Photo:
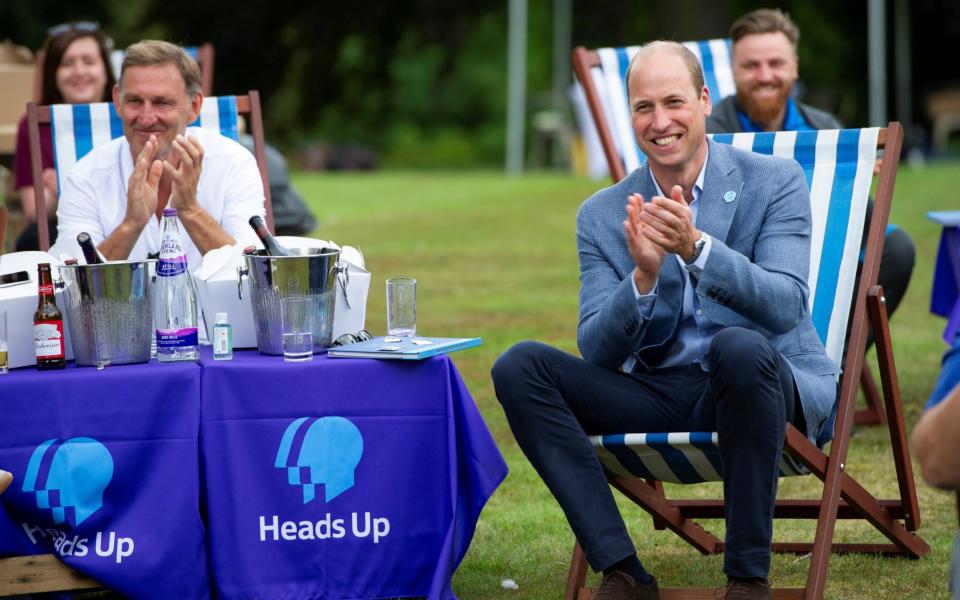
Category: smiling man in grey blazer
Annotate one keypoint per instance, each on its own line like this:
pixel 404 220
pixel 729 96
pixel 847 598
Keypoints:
pixel 693 317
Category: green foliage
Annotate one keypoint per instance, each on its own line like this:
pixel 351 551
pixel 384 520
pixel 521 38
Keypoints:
pixel 495 257
pixel 409 146
pixel 431 74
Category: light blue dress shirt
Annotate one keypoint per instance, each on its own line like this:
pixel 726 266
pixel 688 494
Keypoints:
pixel 696 330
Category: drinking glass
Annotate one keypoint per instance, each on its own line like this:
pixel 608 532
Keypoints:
pixel 101 323
pixel 297 314
pixel 402 306
pixel 4 356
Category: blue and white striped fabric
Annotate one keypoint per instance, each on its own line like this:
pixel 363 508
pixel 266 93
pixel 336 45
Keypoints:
pixel 610 81
pixel 78 128
pixel 838 166
pixel 674 457
pixel 116 58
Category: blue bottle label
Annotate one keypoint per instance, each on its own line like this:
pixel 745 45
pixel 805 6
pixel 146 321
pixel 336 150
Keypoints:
pixel 176 338
pixel 169 267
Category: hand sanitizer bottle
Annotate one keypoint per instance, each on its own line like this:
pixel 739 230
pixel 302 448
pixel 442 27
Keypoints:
pixel 222 338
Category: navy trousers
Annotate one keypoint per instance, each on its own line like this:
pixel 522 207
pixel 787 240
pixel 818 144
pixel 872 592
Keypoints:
pixel 553 401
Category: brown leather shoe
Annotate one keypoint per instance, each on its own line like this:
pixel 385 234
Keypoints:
pixel 740 589
pixel 620 586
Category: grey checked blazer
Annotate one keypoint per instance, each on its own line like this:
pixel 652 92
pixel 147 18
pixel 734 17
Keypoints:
pixel 754 277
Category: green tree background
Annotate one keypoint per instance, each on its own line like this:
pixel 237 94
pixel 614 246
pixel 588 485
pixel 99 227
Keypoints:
pixel 423 83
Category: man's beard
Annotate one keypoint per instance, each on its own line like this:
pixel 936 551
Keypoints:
pixel 764 110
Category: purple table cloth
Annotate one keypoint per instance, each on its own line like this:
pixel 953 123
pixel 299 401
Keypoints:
pixel 945 297
pixel 340 478
pixel 106 474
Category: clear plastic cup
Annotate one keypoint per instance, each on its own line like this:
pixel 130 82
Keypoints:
pixel 297 316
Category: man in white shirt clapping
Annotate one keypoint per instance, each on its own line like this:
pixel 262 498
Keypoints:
pixel 118 191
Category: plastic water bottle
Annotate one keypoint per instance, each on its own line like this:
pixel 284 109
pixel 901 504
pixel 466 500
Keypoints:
pixel 175 308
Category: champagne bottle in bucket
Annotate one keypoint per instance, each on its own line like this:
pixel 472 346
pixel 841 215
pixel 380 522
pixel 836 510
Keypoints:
pixel 274 248
pixel 90 253
pixel 175 306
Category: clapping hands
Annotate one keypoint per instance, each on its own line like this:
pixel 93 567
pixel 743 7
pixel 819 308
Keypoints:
pixel 144 184
pixel 183 167
pixel 653 229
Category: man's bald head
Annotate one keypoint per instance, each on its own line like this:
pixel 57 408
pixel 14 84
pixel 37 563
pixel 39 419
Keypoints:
pixel 688 58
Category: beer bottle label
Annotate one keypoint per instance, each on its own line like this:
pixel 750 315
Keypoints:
pixel 48 339
pixel 46 288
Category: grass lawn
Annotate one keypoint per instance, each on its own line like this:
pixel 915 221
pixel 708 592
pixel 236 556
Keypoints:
pixel 495 257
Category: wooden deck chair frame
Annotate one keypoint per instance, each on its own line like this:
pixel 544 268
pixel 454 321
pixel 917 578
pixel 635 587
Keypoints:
pixel 843 497
pixel 36 115
pixel 583 62
pixel 4 221
pixel 205 57
pixel 41 573
pixel 205 60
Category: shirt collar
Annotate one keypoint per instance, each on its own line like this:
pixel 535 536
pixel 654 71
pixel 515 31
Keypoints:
pixel 698 184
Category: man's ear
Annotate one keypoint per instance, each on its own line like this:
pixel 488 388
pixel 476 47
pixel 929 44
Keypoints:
pixel 195 103
pixel 116 97
pixel 705 99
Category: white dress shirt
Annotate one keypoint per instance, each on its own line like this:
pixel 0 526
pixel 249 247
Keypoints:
pixel 94 196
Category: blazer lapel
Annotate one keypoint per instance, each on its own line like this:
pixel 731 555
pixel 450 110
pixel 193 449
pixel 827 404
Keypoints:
pixel 721 193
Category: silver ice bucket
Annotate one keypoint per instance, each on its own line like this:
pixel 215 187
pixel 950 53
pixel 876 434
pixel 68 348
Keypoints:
pixel 311 272
pixel 109 310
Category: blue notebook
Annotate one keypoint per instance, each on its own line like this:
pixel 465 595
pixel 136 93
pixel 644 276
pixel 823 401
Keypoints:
pixel 415 348
pixel 947 218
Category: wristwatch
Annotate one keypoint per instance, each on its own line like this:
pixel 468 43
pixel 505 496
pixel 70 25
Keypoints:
pixel 697 248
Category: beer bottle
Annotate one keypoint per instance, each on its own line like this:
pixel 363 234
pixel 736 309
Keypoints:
pixel 48 325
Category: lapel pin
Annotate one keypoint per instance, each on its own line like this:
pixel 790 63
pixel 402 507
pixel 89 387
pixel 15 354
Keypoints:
pixel 729 196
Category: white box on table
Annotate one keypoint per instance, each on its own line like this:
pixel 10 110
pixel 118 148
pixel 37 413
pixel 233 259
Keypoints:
pixel 217 289
pixel 216 281
pixel 350 314
pixel 20 302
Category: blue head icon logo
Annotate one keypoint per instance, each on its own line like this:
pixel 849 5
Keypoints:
pixel 79 472
pixel 330 451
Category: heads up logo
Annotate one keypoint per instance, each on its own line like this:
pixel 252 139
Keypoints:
pixel 329 451
pixel 69 478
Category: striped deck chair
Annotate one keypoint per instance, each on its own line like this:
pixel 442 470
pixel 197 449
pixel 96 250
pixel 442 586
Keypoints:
pixel 204 55
pixel 78 128
pixel 838 166
pixel 602 74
